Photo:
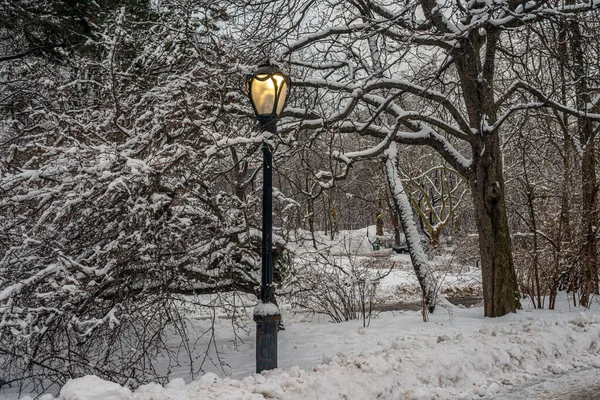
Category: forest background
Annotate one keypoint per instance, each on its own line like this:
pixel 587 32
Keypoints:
pixel 129 158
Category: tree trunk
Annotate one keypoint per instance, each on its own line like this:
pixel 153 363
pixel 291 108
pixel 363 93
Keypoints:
pixel 476 73
pixel 565 238
pixel 536 270
pixel 590 221
pixel 396 225
pixel 500 288
pixel 588 170
pixel 530 195
pixel 434 240
pixel 379 217
pixel 404 211
pixel 311 219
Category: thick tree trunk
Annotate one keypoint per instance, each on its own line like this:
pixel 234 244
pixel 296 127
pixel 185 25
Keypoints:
pixel 588 170
pixel 476 72
pixel 500 288
pixel 434 240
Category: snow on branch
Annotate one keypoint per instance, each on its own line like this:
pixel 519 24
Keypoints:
pixel 420 134
pixel 527 11
pixel 15 289
pixel 317 36
pixel 441 145
pixel 402 205
pixel 320 66
pixel 434 11
pixel 505 117
pixel 376 85
pixel 236 141
pixel 374 151
pixel 438 123
pixel 544 100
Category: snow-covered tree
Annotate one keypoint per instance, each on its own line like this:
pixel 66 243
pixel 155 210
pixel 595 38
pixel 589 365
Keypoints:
pixel 121 194
pixel 422 73
pixel 436 192
pixel 550 150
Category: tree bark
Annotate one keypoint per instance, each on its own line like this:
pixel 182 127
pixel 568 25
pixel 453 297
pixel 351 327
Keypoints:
pixel 536 270
pixel 590 219
pixel 500 287
pixel 379 217
pixel 434 240
pixel 588 170
pixel 396 225
pixel 476 73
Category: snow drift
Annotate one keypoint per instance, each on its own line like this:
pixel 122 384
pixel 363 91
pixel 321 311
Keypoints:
pixel 475 358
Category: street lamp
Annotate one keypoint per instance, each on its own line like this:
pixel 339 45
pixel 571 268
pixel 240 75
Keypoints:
pixel 268 91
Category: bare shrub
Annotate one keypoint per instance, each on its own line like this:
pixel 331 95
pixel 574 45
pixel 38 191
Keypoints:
pixel 342 288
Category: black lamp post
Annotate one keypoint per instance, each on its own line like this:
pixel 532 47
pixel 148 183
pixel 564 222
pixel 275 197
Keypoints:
pixel 268 90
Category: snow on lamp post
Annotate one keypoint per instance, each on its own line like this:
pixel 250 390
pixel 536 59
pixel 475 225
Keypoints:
pixel 268 91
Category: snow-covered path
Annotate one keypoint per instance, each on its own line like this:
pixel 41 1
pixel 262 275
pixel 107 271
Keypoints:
pixel 577 385
pixel 533 354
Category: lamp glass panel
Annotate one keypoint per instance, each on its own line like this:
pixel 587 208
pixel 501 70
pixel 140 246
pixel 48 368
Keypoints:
pixel 263 94
pixel 283 93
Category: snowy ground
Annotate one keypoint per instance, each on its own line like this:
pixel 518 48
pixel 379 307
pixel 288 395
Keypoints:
pixel 580 384
pixel 461 355
pixel 455 279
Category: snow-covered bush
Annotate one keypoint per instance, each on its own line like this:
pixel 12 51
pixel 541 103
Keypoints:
pixel 121 198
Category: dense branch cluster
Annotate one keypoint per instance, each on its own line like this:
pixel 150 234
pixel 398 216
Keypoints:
pixel 129 167
pixel 454 76
pixel 113 197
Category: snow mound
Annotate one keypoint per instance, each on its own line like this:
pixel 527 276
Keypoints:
pixel 456 365
pixel 93 388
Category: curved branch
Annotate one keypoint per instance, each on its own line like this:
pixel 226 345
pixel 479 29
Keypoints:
pixel 315 37
pixel 510 112
pixel 406 86
pixel 420 135
pixel 545 101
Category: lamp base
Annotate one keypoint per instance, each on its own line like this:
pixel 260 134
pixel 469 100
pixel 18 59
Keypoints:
pixel 266 341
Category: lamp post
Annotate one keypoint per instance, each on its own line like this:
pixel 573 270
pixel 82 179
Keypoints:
pixel 268 91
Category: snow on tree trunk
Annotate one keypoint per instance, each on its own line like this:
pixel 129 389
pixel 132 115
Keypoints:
pixel 403 208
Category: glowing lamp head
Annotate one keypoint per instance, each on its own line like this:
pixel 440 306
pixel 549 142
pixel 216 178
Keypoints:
pixel 268 89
